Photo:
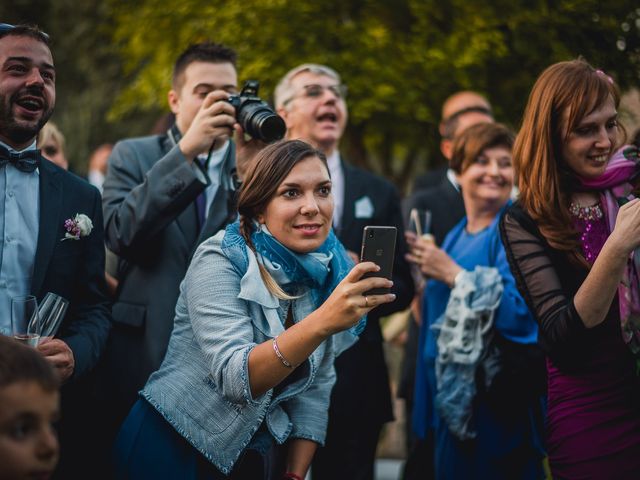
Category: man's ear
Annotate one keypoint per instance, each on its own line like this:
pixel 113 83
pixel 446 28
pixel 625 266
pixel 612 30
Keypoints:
pixel 286 116
pixel 174 101
pixel 446 148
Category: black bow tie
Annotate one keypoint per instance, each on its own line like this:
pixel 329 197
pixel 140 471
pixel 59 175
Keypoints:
pixel 26 161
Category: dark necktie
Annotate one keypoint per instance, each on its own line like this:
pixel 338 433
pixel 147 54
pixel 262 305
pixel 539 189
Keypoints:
pixel 201 202
pixel 26 161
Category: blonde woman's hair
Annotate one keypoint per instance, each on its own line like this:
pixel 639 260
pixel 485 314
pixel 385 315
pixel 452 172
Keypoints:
pixel 50 131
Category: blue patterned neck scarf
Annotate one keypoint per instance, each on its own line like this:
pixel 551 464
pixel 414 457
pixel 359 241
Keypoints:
pixel 321 271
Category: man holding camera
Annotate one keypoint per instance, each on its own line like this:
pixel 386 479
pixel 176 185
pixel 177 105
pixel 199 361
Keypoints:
pixel 163 195
pixel 311 99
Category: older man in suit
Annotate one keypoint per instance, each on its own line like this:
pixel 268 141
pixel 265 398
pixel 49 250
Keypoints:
pixel 41 248
pixel 311 99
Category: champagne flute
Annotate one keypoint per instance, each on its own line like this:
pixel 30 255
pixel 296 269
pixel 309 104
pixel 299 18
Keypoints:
pixel 420 223
pixel 51 312
pixel 25 320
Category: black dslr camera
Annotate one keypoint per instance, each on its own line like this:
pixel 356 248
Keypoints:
pixel 256 116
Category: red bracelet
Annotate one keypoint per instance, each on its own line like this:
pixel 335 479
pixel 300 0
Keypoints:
pixel 291 476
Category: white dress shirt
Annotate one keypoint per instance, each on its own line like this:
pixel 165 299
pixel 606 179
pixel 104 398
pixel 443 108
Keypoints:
pixel 337 186
pixel 19 227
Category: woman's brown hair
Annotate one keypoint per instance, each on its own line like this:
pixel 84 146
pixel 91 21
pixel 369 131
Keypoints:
pixel 468 146
pixel 265 174
pixel 562 96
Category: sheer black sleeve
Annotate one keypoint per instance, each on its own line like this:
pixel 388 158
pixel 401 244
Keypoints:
pixel 547 282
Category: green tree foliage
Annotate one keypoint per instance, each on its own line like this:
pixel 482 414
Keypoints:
pixel 400 59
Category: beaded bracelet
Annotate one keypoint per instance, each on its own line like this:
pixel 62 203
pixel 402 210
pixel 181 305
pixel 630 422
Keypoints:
pixel 284 361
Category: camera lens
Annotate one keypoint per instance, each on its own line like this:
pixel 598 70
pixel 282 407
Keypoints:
pixel 259 121
pixel 371 234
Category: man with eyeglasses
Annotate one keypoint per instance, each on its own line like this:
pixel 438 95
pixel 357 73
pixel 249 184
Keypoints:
pixel 42 247
pixel 312 101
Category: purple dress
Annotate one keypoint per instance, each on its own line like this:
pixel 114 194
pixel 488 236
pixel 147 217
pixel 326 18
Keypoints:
pixel 593 417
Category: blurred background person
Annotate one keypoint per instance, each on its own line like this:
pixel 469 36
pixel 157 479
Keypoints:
pixel 244 388
pixel 29 407
pixel 438 193
pixel 98 162
pixel 570 240
pixel 459 111
pixel 480 419
pixel 51 144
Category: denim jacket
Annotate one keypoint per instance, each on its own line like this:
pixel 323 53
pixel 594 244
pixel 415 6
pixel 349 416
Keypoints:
pixel 202 387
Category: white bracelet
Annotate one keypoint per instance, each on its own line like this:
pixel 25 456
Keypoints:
pixel 284 361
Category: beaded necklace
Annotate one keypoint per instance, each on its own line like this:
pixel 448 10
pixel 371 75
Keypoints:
pixel 588 213
pixel 589 221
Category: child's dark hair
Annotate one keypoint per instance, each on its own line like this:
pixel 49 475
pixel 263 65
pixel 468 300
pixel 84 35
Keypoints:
pixel 22 363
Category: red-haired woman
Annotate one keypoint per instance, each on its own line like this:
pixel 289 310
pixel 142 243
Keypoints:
pixel 570 241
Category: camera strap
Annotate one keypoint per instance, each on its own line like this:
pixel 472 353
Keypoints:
pixel 175 136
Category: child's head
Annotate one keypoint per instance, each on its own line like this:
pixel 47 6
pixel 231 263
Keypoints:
pixel 29 403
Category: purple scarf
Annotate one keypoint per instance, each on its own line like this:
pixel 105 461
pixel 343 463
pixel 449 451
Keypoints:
pixel 615 191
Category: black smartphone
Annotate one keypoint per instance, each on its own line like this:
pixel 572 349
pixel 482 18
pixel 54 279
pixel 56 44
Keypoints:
pixel 379 246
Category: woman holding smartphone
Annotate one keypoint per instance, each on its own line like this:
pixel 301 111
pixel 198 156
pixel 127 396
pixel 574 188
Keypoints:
pixel 571 241
pixel 480 422
pixel 265 307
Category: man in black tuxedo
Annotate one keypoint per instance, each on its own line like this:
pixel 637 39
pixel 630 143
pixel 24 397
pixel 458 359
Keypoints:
pixel 311 99
pixel 40 251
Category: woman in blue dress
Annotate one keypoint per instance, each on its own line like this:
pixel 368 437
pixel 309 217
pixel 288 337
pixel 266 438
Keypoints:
pixel 483 418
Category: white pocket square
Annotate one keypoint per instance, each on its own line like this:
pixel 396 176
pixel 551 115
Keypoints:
pixel 364 208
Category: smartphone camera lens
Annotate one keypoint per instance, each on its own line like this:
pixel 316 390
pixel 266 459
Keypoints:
pixel 371 234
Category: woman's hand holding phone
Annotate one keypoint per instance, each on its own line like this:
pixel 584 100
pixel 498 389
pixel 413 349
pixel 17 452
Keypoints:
pixel 348 302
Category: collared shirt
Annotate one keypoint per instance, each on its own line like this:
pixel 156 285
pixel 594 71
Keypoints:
pixel 451 176
pixel 96 178
pixel 337 186
pixel 213 170
pixel 19 226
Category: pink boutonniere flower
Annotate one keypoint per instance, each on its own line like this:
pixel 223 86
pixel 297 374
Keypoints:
pixel 77 227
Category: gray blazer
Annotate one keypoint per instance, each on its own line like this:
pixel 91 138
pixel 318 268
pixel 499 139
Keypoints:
pixel 202 388
pixel 151 224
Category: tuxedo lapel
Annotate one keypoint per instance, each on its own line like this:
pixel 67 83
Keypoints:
pixel 50 206
pixel 351 191
pixel 187 221
pixel 188 224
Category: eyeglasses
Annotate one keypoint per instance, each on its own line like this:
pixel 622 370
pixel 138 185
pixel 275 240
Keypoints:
pixel 315 91
pixel 7 27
